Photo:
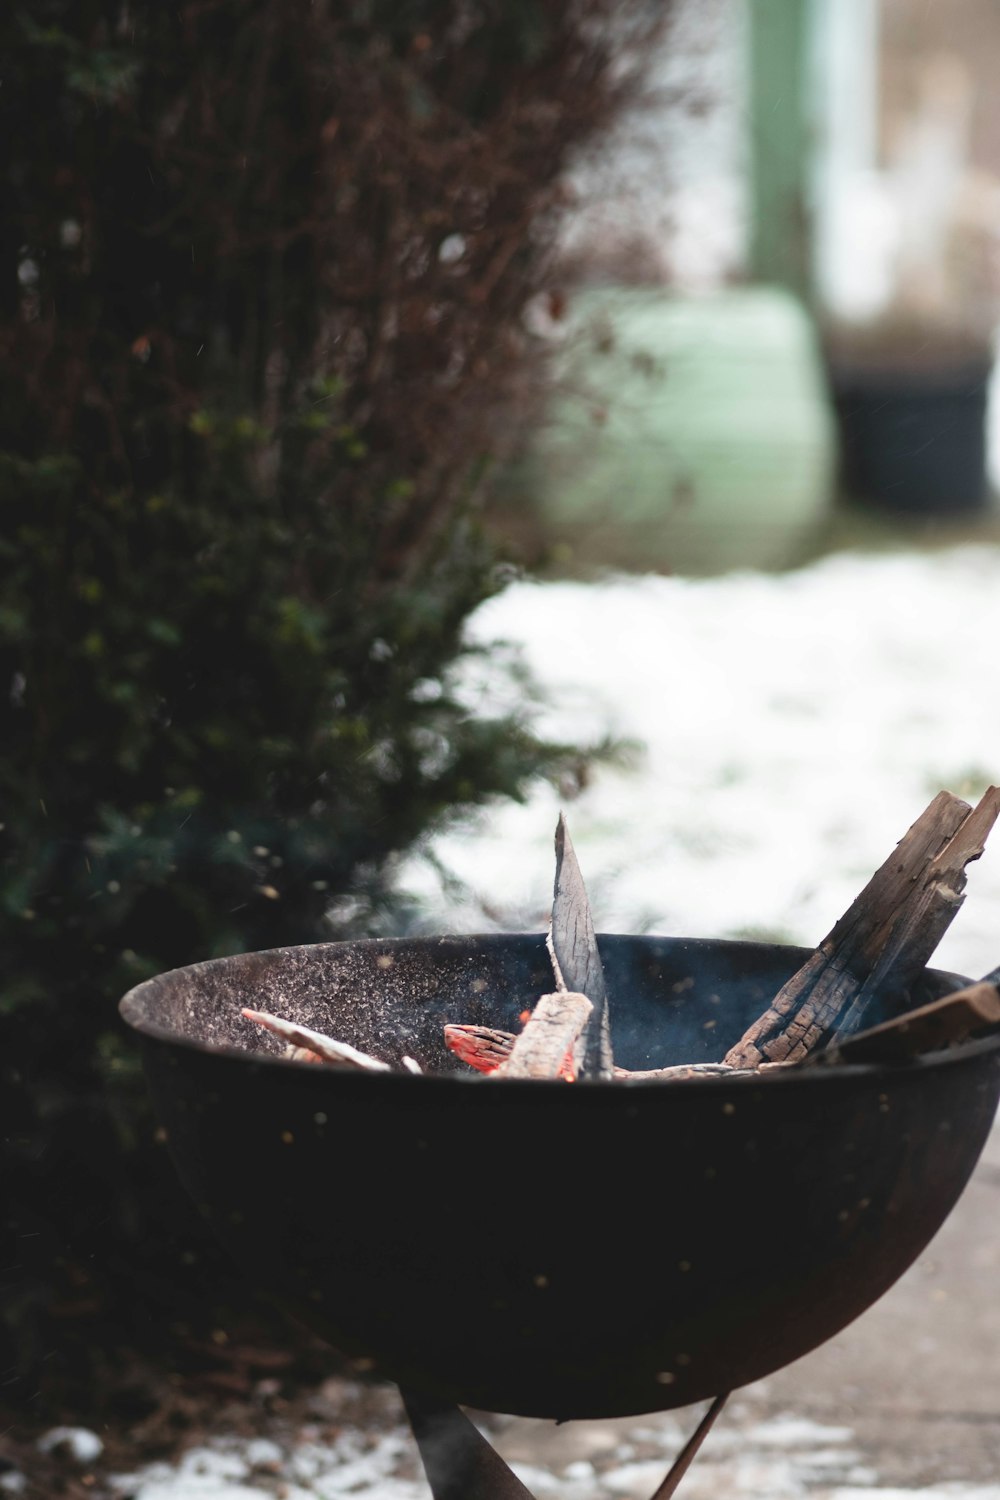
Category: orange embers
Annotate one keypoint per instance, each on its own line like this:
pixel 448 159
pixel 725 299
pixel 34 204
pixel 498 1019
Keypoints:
pixel 480 1046
pixel 484 1048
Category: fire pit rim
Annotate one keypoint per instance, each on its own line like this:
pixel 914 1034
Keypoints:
pixel 132 1005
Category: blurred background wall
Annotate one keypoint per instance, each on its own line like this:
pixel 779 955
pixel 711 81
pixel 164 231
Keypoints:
pixel 793 328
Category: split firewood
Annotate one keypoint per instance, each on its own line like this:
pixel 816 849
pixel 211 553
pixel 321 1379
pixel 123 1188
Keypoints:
pixel 882 942
pixel 551 1044
pixel 575 958
pixel 930 1028
pixel 929 915
pixel 880 946
pixel 325 1047
pixel 482 1047
pixel 485 1049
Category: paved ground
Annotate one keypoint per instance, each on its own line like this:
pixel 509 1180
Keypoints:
pixel 916 1380
pixel 918 1377
pixel 904 1405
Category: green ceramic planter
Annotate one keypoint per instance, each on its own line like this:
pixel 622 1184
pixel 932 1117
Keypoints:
pixel 683 434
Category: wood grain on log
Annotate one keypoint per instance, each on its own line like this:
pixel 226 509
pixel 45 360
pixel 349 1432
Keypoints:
pixel 576 960
pixel 883 940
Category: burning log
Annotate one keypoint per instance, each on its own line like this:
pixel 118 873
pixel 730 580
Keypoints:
pixel 882 941
pixel 482 1047
pixel 551 1044
pixel 324 1047
pixel 577 964
pixel 485 1049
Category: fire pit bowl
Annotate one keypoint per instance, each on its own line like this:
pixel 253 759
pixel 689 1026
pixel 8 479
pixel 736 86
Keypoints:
pixel 553 1250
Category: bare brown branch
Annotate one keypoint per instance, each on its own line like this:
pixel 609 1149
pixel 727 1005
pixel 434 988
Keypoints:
pixel 325 1047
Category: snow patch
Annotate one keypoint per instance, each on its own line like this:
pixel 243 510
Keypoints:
pixel 356 1464
pixel 79 1443
pixel 792 728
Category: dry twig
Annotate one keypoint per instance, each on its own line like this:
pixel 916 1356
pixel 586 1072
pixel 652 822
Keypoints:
pixel 325 1047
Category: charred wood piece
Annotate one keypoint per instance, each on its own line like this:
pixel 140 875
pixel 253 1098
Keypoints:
pixel 551 1044
pixel 883 940
pixel 485 1049
pixel 575 958
pixel 930 1028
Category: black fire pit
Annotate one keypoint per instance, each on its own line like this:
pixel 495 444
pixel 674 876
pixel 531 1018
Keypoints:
pixel 553 1250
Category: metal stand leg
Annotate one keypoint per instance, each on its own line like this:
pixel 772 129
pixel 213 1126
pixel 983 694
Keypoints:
pixel 458 1461
pixel 687 1454
pixel 461 1465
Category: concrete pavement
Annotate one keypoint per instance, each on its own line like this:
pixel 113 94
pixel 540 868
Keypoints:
pixel 907 1398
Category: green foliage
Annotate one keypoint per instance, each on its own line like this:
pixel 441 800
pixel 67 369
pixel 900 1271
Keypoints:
pixel 246 410
pixel 212 729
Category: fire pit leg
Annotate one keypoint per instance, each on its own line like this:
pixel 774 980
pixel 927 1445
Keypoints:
pixel 458 1461
pixel 686 1456
pixel 461 1465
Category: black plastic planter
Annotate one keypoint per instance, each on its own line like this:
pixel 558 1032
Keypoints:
pixel 913 438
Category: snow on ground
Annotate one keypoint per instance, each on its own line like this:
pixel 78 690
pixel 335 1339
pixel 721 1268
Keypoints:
pixel 753 1454
pixel 793 726
pixel 301 1469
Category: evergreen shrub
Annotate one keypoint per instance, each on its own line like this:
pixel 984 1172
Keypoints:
pixel 262 269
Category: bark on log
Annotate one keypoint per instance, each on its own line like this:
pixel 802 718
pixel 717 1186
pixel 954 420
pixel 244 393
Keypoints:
pixel 930 1028
pixel 575 957
pixel 883 940
pixel 549 1046
pixel 928 916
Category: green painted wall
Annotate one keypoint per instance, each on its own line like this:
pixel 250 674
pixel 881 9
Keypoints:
pixel 781 242
pixel 686 434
